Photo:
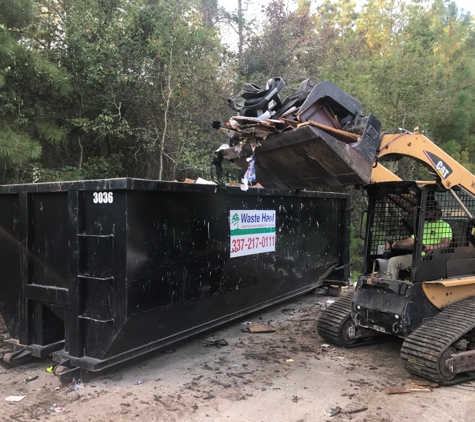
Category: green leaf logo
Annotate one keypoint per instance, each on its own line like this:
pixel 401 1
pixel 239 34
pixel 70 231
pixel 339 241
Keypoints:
pixel 235 219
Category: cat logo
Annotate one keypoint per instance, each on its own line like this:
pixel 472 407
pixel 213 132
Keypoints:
pixel 439 165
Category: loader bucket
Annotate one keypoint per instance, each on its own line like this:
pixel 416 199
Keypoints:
pixel 310 157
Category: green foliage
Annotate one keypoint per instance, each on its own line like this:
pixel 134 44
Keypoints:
pixel 30 89
pixel 16 13
pixel 40 175
pixel 51 132
pixel 463 157
pixel 94 168
pixel 17 147
pixel 141 75
pixel 103 168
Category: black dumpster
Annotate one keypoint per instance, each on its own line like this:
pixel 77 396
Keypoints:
pixel 97 272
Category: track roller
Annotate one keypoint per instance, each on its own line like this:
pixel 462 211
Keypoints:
pixel 336 326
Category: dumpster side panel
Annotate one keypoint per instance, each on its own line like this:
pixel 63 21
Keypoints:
pixel 44 221
pixel 102 269
pixel 180 275
pixel 179 245
pixel 34 265
pixel 10 284
pixel 48 239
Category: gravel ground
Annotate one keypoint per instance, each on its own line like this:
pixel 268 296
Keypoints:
pixel 289 375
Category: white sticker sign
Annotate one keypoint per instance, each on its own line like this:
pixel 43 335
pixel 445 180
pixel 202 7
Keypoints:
pixel 252 232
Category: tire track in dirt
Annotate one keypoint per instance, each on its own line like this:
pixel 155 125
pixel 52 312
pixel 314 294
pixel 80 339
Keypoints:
pixel 288 375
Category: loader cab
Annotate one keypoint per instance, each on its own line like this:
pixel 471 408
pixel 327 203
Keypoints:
pixel 397 210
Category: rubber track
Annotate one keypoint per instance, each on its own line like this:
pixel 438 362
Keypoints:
pixel 332 319
pixel 423 348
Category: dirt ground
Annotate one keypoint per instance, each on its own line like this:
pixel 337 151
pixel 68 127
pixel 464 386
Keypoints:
pixel 289 375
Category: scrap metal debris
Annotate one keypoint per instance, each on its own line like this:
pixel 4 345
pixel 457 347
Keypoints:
pixel 262 113
pixel 218 343
pixel 318 136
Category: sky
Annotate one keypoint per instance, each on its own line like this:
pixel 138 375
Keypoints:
pixel 230 37
pixel 467 5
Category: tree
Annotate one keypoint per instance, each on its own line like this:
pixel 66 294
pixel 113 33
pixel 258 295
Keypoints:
pixel 277 49
pixel 455 54
pixel 30 86
pixel 141 74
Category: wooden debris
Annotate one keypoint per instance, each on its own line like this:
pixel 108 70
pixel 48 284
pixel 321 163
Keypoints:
pixel 239 374
pixel 232 374
pixel 423 384
pixel 257 186
pixel 255 327
pixel 291 123
pixel 403 390
pixel 346 137
pixel 244 122
pixel 414 387
pixel 354 408
pixel 349 409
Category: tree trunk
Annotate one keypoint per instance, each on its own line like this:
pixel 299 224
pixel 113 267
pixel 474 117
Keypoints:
pixel 240 26
pixel 81 152
pixel 165 117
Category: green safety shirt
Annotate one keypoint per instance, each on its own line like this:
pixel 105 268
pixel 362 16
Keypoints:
pixel 435 231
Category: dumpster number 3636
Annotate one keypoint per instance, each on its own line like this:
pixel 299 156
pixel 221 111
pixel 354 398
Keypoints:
pixel 103 197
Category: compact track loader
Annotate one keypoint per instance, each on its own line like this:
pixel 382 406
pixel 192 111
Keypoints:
pixel 432 303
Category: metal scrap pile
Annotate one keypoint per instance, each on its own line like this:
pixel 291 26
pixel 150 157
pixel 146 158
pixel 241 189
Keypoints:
pixel 290 144
pixel 262 113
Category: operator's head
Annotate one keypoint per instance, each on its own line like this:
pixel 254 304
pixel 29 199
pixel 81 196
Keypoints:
pixel 433 212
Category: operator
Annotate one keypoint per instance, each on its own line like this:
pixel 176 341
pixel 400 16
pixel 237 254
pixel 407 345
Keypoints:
pixel 437 234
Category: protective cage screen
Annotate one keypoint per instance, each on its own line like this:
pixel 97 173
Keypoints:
pixel 394 218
